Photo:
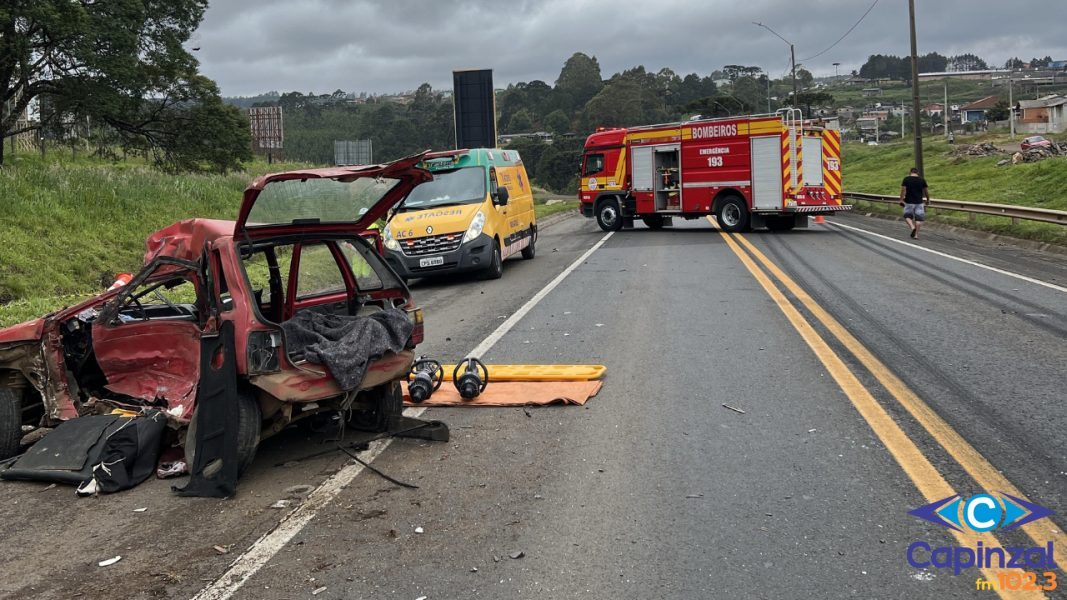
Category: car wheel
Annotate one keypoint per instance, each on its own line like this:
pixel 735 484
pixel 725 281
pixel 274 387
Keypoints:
pixel 388 401
pixel 496 264
pixel 529 252
pixel 781 223
pixel 10 422
pixel 732 215
pixel 608 215
pixel 249 424
pixel 653 221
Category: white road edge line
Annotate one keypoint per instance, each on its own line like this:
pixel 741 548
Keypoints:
pixel 1051 286
pixel 270 543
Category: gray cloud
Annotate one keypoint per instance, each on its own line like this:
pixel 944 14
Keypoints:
pixel 250 47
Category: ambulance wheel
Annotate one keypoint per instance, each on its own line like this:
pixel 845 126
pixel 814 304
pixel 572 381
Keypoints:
pixel 653 221
pixel 608 215
pixel 496 264
pixel 732 215
pixel 529 251
pixel 781 223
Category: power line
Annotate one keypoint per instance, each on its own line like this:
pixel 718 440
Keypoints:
pixel 875 3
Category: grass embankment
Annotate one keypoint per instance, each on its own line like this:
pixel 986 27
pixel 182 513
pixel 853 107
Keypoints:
pixel 879 170
pixel 68 226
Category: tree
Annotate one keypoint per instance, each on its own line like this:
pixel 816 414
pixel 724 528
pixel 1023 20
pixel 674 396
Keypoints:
pixel 999 112
pixel 580 79
pixel 808 100
pixel 1040 63
pixel 931 63
pixel 557 122
pixel 520 122
pixel 804 78
pixel 1014 63
pixel 966 62
pixel 120 63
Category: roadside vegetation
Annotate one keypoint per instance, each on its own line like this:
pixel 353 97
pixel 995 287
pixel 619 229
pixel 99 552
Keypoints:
pixel 879 170
pixel 71 224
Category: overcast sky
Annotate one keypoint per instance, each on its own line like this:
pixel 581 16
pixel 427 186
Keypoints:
pixel 253 46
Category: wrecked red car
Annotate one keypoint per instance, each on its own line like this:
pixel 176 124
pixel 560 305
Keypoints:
pixel 295 254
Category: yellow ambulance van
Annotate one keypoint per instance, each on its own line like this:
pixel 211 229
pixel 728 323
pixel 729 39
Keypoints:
pixel 476 213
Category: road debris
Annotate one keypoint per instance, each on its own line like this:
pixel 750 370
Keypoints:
pixel 695 496
pixel 281 504
pixel 109 562
pixel 299 490
pixel 142 509
pixel 419 530
pixel 736 410
pixel 318 590
pixel 517 554
pixel 220 549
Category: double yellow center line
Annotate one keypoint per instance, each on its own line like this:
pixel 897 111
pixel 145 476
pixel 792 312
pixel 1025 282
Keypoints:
pixel 930 483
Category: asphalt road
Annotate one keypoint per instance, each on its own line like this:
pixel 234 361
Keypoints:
pixel 654 489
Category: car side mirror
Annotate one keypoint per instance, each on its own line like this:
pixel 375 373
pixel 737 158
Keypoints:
pixel 501 196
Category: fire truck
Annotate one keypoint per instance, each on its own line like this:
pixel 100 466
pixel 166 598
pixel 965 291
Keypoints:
pixel 768 171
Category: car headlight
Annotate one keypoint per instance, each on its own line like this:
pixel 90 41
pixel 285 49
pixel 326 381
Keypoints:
pixel 475 228
pixel 387 237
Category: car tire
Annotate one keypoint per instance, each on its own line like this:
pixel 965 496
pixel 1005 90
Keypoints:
pixel 10 422
pixel 732 215
pixel 653 221
pixel 249 426
pixel 496 264
pixel 781 223
pixel 529 251
pixel 388 401
pixel 609 215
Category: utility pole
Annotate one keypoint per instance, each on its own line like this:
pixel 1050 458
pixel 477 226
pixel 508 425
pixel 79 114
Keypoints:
pixel 1011 106
pixel 915 89
pixel 792 57
pixel 945 112
pixel 903 112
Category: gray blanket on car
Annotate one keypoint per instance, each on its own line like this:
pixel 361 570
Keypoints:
pixel 346 345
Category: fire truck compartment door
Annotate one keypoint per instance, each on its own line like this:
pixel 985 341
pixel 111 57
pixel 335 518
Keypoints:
pixel 767 172
pixel 812 161
pixel 644 171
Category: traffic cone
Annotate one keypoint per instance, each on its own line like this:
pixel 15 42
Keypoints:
pixel 121 280
pixel 819 219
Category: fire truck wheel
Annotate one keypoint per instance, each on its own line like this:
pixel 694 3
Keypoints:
pixel 653 222
pixel 608 215
pixel 781 223
pixel 732 214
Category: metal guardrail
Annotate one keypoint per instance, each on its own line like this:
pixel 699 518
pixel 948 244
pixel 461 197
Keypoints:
pixel 1015 213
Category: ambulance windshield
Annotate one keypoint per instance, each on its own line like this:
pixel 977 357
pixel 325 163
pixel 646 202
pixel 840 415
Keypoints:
pixel 456 186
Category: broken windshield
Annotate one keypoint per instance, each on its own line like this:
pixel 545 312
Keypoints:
pixel 304 201
pixel 458 186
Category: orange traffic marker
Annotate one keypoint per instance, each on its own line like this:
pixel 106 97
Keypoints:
pixel 819 219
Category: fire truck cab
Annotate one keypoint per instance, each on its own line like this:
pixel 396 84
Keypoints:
pixel 756 171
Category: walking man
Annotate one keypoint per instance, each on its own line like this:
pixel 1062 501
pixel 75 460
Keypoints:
pixel 914 196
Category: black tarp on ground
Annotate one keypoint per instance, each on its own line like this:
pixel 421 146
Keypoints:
pixel 347 344
pixel 214 468
pixel 67 454
pixel 130 454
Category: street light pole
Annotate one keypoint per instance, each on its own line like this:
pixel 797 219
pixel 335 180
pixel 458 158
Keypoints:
pixel 915 91
pixel 792 57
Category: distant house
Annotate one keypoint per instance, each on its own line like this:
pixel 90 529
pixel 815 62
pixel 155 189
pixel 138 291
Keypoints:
pixel 872 92
pixel 846 112
pixel 934 110
pixel 975 111
pixel 867 124
pixel 1044 115
pixel 881 114
pixel 985 75
pixel 1058 65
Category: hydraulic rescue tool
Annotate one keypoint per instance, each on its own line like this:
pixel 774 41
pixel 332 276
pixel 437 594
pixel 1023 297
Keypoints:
pixel 427 375
pixel 470 377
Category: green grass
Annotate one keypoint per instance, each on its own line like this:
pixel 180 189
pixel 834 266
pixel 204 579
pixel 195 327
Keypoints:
pixel 70 224
pixel 879 170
